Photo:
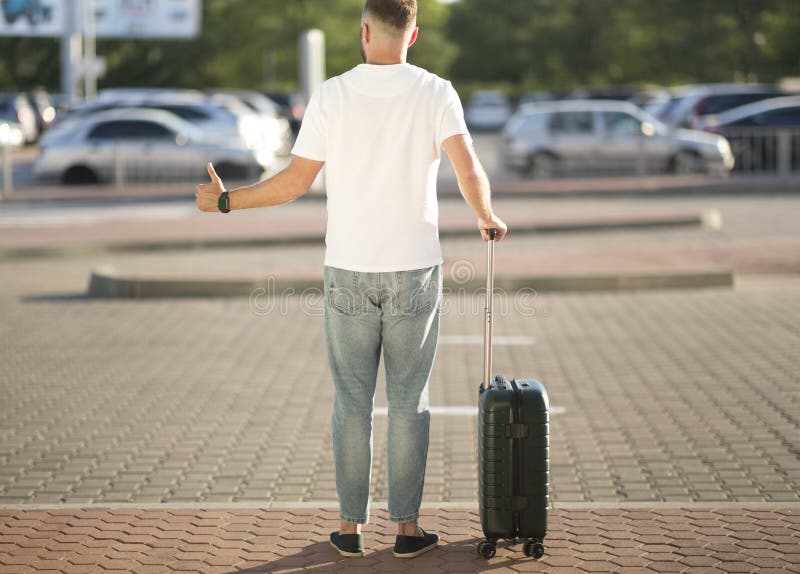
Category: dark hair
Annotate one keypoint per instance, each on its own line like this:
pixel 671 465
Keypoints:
pixel 398 14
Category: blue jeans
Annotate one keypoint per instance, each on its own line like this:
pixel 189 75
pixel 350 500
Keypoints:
pixel 364 312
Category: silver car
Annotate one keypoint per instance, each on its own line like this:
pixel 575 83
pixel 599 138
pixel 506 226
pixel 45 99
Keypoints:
pixel 595 136
pixel 487 110
pixel 142 144
pixel 230 121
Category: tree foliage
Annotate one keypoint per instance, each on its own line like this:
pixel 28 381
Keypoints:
pixel 520 44
pixel 546 44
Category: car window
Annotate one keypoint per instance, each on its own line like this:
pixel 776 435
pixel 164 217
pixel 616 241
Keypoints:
pixel 621 123
pixel 129 129
pixel 186 112
pixel 780 117
pixel 723 103
pixel 152 131
pixel 571 123
pixel 524 123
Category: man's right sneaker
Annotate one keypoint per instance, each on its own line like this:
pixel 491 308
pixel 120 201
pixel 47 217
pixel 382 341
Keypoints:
pixel 411 546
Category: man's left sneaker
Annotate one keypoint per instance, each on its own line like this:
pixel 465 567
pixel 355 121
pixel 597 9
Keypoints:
pixel 350 545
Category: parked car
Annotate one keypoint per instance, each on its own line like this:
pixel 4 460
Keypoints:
pixel 693 103
pixel 11 134
pixel 487 110
pixel 43 108
pixel 15 107
pixel 764 136
pixel 273 129
pixel 578 136
pixel 149 144
pixel 217 119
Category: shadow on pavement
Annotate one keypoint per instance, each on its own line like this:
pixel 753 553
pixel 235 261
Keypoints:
pixel 320 557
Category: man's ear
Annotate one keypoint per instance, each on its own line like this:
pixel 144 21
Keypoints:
pixel 366 33
pixel 414 35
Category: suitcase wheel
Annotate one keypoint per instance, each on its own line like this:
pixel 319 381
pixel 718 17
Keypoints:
pixel 533 548
pixel 487 549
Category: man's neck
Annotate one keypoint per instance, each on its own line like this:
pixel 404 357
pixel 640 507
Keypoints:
pixel 386 60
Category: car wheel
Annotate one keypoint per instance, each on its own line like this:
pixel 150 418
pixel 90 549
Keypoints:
pixel 78 174
pixel 543 165
pixel 685 162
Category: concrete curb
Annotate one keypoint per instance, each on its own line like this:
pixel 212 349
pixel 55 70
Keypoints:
pixel 110 282
pixel 709 218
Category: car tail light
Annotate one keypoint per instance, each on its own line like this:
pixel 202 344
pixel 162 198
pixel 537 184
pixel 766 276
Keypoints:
pixel 298 110
pixel 697 112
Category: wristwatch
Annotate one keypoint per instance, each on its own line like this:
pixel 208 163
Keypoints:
pixel 224 202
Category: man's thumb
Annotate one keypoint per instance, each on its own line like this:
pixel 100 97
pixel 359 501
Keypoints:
pixel 212 172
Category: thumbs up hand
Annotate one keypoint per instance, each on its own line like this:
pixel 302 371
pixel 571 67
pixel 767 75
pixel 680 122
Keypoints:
pixel 208 193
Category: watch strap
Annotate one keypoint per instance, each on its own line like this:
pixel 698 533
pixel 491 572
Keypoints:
pixel 224 203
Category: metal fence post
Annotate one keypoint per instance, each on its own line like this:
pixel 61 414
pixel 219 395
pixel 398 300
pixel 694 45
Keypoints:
pixel 8 180
pixel 119 166
pixel 784 152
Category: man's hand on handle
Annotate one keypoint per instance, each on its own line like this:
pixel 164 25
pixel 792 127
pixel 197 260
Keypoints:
pixel 492 222
pixel 208 193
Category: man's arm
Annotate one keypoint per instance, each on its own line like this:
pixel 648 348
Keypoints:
pixel 286 185
pixel 473 183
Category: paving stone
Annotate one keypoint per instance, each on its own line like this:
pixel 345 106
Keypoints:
pixel 299 541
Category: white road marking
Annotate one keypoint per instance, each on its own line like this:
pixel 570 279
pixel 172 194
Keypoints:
pixel 459 411
pixel 478 340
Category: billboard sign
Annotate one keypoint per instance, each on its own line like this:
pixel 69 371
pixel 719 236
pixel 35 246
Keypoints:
pixel 113 18
pixel 147 18
pixel 31 17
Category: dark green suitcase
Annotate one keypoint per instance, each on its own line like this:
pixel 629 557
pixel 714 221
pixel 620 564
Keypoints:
pixel 513 451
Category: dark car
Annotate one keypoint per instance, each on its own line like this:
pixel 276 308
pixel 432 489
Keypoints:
pixel 43 108
pixel 695 103
pixel 35 11
pixel 764 136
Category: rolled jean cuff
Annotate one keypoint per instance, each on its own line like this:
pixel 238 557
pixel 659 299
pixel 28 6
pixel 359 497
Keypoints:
pixel 408 518
pixel 352 519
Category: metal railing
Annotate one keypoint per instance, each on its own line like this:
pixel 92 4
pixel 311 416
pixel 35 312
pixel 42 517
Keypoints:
pixel 765 150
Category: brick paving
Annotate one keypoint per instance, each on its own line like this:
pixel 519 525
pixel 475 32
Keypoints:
pixel 681 396
pixel 691 540
pixel 675 426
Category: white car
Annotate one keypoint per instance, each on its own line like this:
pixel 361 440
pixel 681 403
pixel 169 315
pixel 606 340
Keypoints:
pixel 593 136
pixel 269 129
pixel 228 122
pixel 11 134
pixel 144 144
pixel 275 127
pixel 487 110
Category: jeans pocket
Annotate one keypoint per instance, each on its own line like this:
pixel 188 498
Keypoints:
pixel 418 290
pixel 341 291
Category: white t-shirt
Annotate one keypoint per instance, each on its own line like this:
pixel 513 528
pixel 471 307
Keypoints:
pixel 379 129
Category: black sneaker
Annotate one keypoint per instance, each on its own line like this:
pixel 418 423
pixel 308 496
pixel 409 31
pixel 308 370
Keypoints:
pixel 411 546
pixel 350 545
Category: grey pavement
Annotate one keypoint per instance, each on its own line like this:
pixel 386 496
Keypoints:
pixel 677 396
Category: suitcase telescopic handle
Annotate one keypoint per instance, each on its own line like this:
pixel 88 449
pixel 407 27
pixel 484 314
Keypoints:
pixel 487 333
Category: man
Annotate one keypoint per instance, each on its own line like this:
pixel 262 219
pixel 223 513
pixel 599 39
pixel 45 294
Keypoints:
pixel 378 129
